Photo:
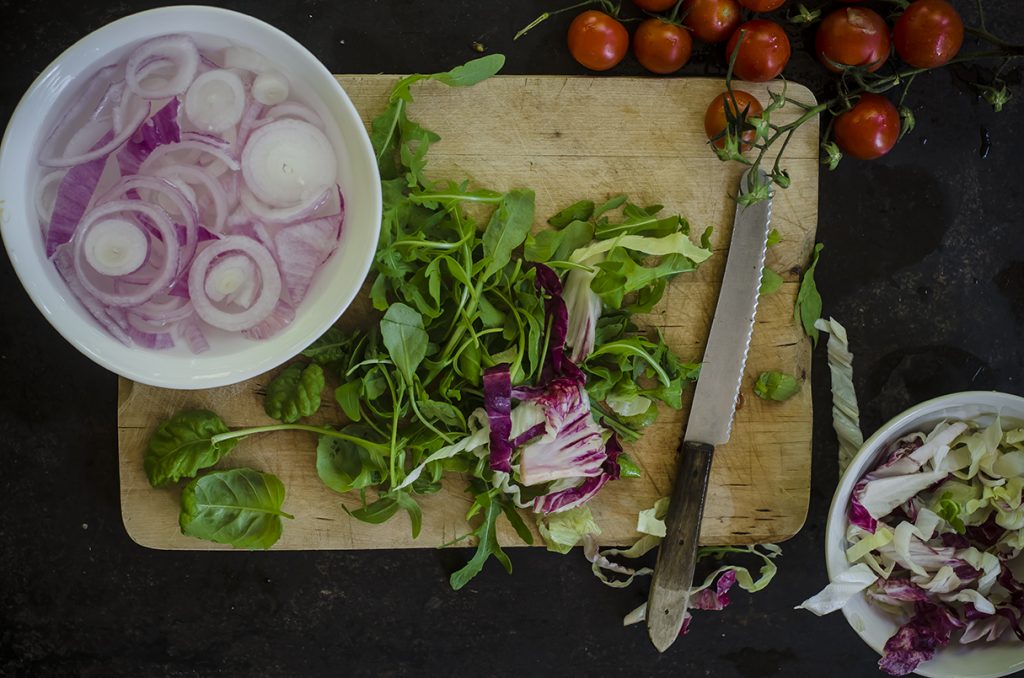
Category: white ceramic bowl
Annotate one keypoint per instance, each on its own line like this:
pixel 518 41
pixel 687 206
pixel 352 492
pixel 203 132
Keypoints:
pixel 231 358
pixel 977 660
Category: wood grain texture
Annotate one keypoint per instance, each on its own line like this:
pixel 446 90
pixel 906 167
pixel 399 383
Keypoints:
pixel 569 139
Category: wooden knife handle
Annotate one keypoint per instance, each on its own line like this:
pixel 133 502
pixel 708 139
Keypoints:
pixel 673 574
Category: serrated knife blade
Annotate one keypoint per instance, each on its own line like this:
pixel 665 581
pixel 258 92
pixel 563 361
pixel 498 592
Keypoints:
pixel 710 421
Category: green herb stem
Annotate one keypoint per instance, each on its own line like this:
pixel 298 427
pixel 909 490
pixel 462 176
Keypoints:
pixel 319 430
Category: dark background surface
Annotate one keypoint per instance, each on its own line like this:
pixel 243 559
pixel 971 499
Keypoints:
pixel 924 264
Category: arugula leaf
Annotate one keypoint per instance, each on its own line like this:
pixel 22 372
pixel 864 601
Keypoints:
pixel 446 413
pixel 332 347
pixel 347 396
pixel 628 467
pixel 472 72
pixel 508 228
pixel 402 331
pixel 376 513
pixel 240 507
pixel 776 386
pixel 184 444
pixel 578 211
pixel 551 245
pixel 774 238
pixel 294 393
pixel 770 282
pixel 411 507
pixel 808 302
pixel 343 465
pixel 949 510
pixel 487 545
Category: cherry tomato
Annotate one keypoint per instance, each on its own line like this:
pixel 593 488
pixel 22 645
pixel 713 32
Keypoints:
pixel 655 5
pixel 711 20
pixel 662 47
pixel 928 34
pixel 597 40
pixel 852 36
pixel 762 5
pixel 715 120
pixel 870 129
pixel 763 53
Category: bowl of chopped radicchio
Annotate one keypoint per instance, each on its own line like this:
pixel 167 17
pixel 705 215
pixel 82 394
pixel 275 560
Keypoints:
pixel 924 539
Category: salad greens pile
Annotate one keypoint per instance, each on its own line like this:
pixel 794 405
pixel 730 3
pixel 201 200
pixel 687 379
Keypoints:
pixel 932 531
pixel 502 355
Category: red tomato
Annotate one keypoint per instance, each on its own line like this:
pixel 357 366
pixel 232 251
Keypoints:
pixel 928 34
pixel 762 5
pixel 852 36
pixel 597 40
pixel 870 129
pixel 662 47
pixel 715 120
pixel 711 20
pixel 655 5
pixel 763 53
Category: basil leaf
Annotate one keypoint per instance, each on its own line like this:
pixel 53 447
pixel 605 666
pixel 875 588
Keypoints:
pixel 402 331
pixel 343 465
pixel 240 507
pixel 808 302
pixel 770 282
pixel 776 386
pixel 184 444
pixel 294 393
pixel 507 228
pixel 487 545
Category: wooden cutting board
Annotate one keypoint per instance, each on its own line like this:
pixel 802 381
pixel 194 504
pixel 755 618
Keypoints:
pixel 569 139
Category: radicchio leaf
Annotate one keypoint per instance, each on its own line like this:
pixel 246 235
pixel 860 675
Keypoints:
pixel 918 639
pixel 558 364
pixel 497 383
pixel 572 446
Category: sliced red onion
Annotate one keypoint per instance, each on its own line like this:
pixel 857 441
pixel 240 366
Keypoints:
pixel 238 220
pixel 229 184
pixel 92 90
pixel 292 109
pixel 165 309
pixel 148 335
pixel 189 330
pixel 287 161
pixel 215 100
pixel 191 175
pixel 302 249
pixel 177 52
pixel 163 187
pixel 283 215
pixel 164 276
pixel 162 128
pixel 244 58
pixel 270 88
pixel 232 279
pixel 115 247
pixel 280 318
pixel 63 259
pixel 270 289
pixel 73 195
pixel 101 151
pixel 46 200
pixel 246 124
pixel 160 152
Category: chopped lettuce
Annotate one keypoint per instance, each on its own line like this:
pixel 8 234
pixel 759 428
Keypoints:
pixel 845 413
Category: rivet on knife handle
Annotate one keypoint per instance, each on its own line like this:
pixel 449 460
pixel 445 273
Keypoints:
pixel 673 575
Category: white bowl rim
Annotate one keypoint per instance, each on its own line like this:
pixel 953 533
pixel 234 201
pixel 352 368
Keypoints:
pixel 23 264
pixel 836 563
